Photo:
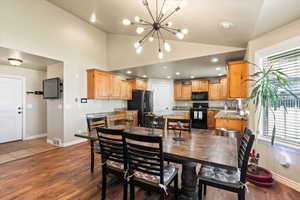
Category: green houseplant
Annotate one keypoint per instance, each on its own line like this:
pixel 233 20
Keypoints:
pixel 269 85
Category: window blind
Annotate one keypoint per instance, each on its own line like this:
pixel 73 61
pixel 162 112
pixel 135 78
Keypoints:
pixel 287 121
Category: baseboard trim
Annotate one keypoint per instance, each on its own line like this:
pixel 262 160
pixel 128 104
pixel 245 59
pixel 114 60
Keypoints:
pixel 288 182
pixel 36 136
pixel 73 142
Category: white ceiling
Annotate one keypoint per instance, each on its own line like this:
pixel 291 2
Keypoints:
pixel 198 67
pixel 202 17
pixel 29 61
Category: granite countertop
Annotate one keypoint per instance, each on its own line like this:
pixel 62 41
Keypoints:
pixel 169 113
pixel 231 115
pixel 108 114
pixel 216 108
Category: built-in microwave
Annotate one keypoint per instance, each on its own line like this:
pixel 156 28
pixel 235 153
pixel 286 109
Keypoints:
pixel 199 96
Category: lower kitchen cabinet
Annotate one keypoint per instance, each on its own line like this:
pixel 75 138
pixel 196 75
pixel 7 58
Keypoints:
pixel 231 124
pixel 211 121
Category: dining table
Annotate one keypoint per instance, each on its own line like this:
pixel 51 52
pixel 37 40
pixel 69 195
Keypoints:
pixel 198 146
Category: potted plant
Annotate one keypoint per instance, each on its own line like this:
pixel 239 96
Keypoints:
pixel 269 85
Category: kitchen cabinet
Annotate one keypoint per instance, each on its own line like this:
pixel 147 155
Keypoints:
pixel 214 91
pixel 99 84
pixel 231 124
pixel 223 88
pixel 199 85
pixel 138 84
pixel 237 79
pixel 211 121
pixel 106 85
pixel 182 91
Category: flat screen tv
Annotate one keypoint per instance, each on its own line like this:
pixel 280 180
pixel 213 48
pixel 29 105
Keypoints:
pixel 51 88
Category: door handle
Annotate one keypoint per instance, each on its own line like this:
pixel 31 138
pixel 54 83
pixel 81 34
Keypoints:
pixel 20 112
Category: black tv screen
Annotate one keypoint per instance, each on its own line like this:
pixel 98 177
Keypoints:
pixel 51 88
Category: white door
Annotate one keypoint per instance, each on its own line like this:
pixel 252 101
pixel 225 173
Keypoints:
pixel 11 114
pixel 162 97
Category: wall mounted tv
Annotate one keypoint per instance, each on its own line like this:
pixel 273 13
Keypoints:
pixel 52 88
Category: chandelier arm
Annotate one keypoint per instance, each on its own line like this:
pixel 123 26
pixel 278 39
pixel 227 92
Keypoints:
pixel 150 13
pixel 156 10
pixel 158 40
pixel 174 29
pixel 160 13
pixel 161 35
pixel 143 39
pixel 168 30
pixel 164 19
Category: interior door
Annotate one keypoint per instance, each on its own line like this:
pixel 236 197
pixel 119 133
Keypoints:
pixel 162 97
pixel 11 105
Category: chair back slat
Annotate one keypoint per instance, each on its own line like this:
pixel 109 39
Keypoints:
pixel 246 144
pixel 173 124
pixel 111 144
pixel 145 154
pixel 155 122
pixel 94 122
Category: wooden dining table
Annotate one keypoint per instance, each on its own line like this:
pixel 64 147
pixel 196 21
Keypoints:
pixel 198 147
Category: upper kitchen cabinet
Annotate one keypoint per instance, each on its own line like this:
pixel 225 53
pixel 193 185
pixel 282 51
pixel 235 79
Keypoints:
pixel 182 91
pixel 99 84
pixel 214 91
pixel 106 85
pixel 223 88
pixel 138 84
pixel 199 85
pixel 237 79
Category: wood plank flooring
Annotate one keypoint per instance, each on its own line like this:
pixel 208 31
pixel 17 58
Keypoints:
pixel 20 149
pixel 64 174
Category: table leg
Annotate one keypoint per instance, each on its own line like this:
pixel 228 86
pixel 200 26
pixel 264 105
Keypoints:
pixel 92 155
pixel 188 181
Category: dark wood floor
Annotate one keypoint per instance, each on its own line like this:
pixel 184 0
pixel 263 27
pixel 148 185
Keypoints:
pixel 64 173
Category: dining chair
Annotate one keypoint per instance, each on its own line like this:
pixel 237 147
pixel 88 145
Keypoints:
pixel 226 177
pixel 112 160
pixel 146 167
pixel 172 124
pixel 94 121
pixel 156 122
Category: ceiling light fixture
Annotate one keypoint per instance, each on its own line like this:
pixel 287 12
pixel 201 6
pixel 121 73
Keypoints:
pixel 226 25
pixel 129 72
pixel 220 74
pixel 93 18
pixel 157 26
pixel 144 76
pixel 192 76
pixel 218 68
pixel 168 77
pixel 165 67
pixel 15 61
pixel 214 60
pixel 177 73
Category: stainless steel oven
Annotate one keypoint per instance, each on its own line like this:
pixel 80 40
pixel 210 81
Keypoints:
pixel 199 96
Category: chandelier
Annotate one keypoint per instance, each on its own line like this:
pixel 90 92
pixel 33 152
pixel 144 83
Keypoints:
pixel 158 25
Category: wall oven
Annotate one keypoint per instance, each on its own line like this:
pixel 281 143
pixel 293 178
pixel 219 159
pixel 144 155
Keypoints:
pixel 199 96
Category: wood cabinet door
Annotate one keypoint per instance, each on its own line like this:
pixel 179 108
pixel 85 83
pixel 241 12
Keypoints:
pixel 177 90
pixel 186 92
pixel 128 90
pixel 214 91
pixel 116 85
pixel 195 85
pixel 237 76
pixel 221 123
pixel 203 86
pixel 211 121
pixel 102 83
pixel 223 88
pixel 123 90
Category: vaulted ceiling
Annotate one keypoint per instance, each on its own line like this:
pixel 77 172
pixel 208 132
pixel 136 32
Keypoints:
pixel 251 18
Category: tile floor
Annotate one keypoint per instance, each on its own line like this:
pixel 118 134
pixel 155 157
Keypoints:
pixel 21 149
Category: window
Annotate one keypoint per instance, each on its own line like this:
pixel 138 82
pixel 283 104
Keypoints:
pixel 287 122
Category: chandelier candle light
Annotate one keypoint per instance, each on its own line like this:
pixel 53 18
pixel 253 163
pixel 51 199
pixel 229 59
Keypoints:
pixel 157 26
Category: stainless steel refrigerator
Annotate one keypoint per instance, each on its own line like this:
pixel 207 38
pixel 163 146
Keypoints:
pixel 142 101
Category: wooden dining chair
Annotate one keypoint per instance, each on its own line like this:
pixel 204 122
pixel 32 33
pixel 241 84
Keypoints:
pixel 94 121
pixel 112 150
pixel 146 167
pixel 229 178
pixel 155 122
pixel 172 124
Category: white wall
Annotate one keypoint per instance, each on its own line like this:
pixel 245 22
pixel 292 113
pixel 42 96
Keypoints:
pixel 277 40
pixel 121 52
pixel 35 104
pixel 38 27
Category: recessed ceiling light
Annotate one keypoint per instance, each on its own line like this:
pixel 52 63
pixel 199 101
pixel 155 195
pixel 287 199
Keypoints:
pixel 214 60
pixel 168 77
pixel 93 18
pixel 144 76
pixel 15 61
pixel 192 76
pixel 220 74
pixel 218 68
pixel 165 67
pixel 226 25
pixel 129 72
pixel 177 73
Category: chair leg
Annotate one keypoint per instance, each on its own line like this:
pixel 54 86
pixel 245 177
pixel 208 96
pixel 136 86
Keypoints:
pixel 132 192
pixel 103 194
pixel 176 186
pixel 205 188
pixel 125 190
pixel 241 195
pixel 92 155
pixel 200 185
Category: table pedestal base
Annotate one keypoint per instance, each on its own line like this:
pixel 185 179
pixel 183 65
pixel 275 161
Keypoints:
pixel 188 181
